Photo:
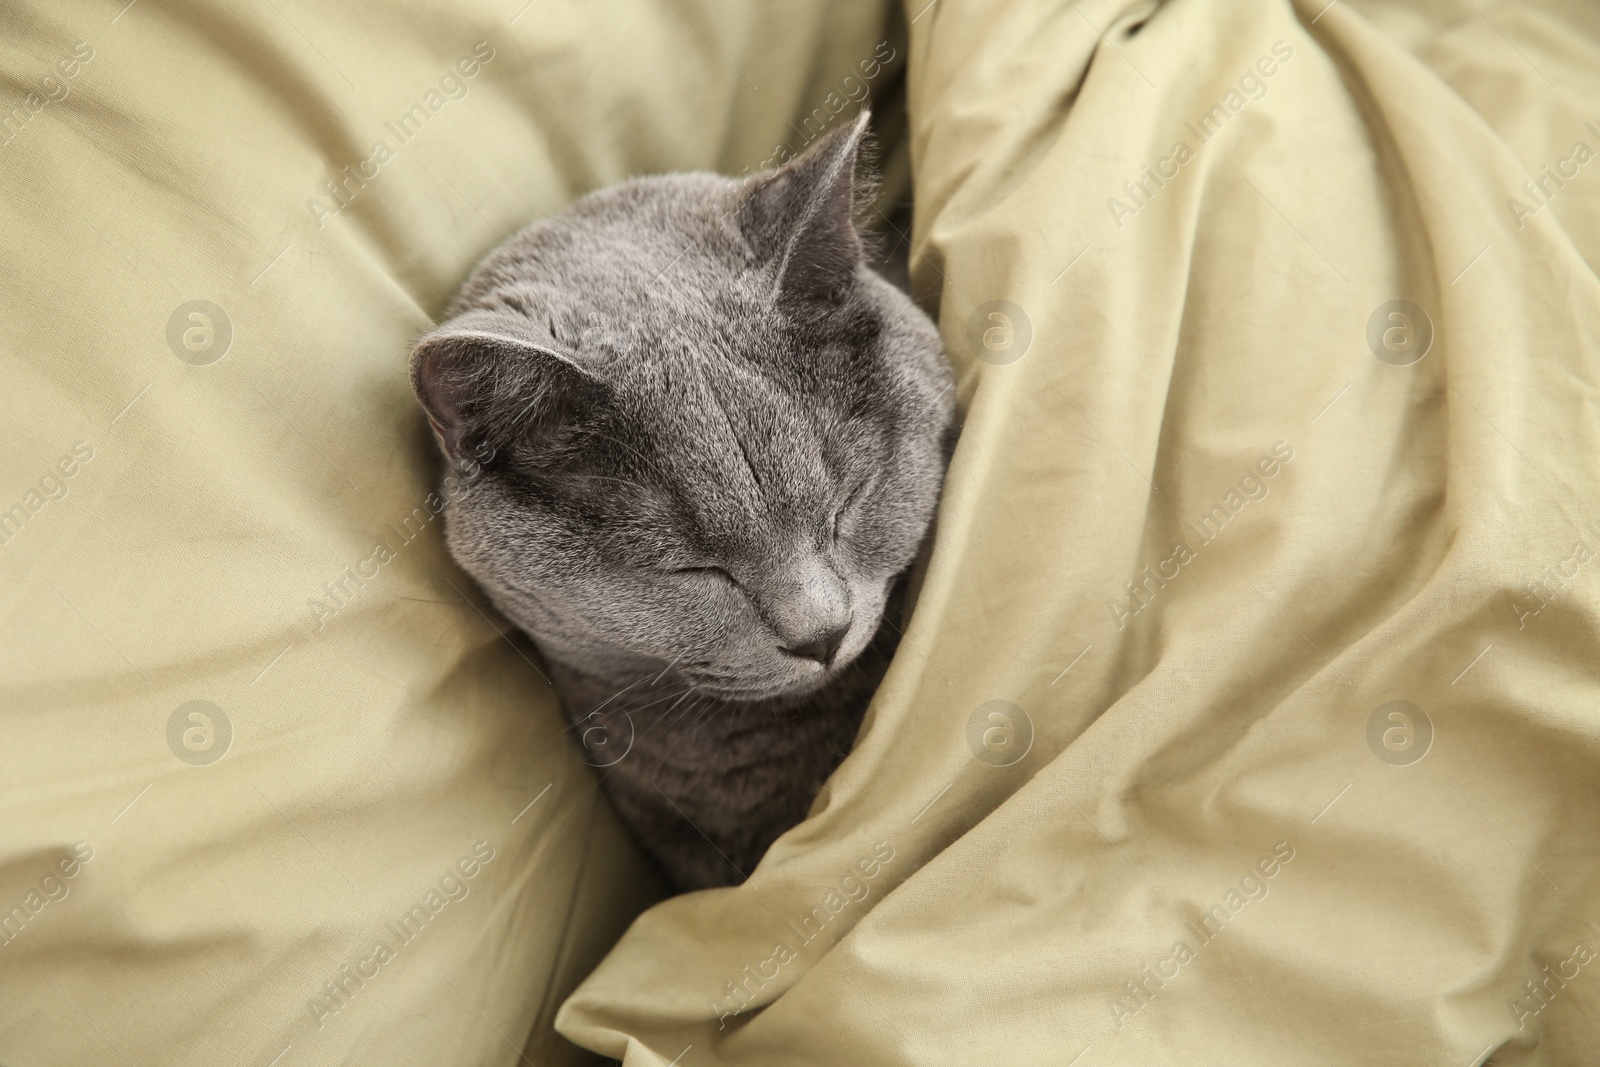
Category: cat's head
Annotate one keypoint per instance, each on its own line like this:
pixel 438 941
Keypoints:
pixel 715 432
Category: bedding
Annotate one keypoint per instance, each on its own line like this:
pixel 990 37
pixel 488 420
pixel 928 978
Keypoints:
pixel 1247 712
pixel 275 785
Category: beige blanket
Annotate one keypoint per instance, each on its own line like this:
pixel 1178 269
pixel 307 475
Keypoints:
pixel 1248 712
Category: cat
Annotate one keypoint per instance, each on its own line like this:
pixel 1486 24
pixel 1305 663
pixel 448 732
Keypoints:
pixel 718 438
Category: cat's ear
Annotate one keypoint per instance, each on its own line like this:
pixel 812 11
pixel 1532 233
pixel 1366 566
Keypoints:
pixel 485 378
pixel 801 219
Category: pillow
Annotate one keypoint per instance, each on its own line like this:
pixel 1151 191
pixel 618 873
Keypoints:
pixel 276 785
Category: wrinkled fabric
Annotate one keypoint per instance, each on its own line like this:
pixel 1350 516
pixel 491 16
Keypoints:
pixel 274 786
pixel 1247 712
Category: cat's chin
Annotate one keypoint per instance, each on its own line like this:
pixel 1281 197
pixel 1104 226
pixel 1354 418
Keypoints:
pixel 735 689
pixel 758 694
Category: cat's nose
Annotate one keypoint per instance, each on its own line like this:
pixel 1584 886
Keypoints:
pixel 807 606
pixel 823 646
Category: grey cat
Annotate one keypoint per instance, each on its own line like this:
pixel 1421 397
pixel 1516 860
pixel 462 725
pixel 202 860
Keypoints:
pixel 717 440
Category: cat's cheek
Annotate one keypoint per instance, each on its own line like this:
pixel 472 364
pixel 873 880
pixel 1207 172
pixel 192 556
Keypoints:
pixel 868 601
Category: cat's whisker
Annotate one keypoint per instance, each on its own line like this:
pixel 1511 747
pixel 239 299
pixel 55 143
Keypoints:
pixel 667 668
pixel 705 705
pixel 609 478
pixel 615 695
pixel 687 692
pixel 682 714
pixel 658 700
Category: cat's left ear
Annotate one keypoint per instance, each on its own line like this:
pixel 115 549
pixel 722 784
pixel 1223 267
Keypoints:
pixel 486 377
pixel 802 218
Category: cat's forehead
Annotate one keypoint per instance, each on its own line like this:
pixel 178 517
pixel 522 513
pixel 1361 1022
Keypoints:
pixel 732 400
pixel 643 291
pixel 699 395
pixel 701 312
pixel 739 449
pixel 653 234
pixel 657 262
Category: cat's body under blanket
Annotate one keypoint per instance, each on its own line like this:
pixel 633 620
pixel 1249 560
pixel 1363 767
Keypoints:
pixel 717 440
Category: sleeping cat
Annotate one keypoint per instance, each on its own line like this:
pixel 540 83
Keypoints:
pixel 717 440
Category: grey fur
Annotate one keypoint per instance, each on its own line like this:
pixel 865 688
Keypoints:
pixel 681 380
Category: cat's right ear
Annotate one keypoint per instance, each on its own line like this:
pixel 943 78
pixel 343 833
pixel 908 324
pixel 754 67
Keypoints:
pixel 486 378
pixel 801 218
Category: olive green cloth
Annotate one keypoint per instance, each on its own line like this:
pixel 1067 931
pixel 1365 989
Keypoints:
pixel 274 788
pixel 1248 712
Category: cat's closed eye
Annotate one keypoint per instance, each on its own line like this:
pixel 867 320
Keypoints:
pixel 843 509
pixel 711 572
